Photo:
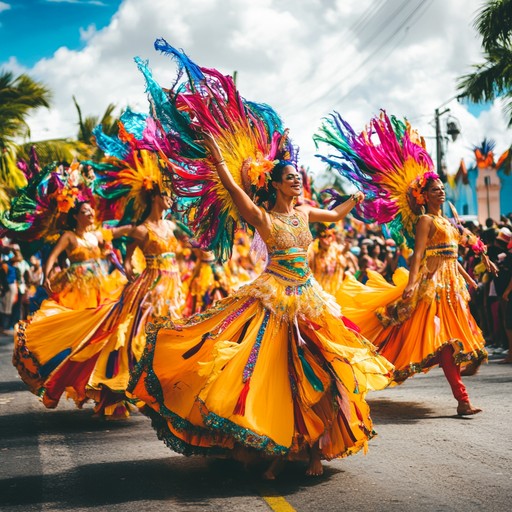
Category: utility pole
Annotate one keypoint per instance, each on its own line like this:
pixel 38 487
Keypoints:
pixel 439 144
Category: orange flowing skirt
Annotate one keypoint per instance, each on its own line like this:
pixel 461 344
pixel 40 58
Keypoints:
pixel 411 333
pixel 275 368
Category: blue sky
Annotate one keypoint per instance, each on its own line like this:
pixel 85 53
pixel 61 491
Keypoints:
pixel 305 58
pixel 33 29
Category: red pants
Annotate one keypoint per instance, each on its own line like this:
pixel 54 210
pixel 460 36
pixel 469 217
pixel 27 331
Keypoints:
pixel 452 373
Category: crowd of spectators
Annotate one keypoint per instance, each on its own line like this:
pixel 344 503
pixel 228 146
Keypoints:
pixel 491 302
pixel 365 247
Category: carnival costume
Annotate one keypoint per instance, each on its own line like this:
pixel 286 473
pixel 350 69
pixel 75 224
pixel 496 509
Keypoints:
pixel 208 283
pixel 390 163
pixel 83 294
pixel 327 262
pixel 274 367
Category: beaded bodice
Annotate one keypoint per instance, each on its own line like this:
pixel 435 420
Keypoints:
pixel 159 243
pixel 288 231
pixel 87 249
pixel 444 242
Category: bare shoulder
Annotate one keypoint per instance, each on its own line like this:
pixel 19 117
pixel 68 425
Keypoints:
pixel 139 232
pixel 305 209
pixel 425 220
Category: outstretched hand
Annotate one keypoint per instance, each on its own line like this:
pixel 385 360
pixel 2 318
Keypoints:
pixel 47 285
pixel 211 145
pixel 408 291
pixel 490 265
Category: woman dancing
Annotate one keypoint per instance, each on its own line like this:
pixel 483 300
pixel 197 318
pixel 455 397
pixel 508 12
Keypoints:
pixel 81 298
pixel 424 319
pixel 273 370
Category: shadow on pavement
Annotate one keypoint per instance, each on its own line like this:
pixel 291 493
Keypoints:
pixel 193 482
pixel 386 411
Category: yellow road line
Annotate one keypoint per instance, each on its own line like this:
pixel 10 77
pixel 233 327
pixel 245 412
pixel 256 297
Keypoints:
pixel 274 500
pixel 278 504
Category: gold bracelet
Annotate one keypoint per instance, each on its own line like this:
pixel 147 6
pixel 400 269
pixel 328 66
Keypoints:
pixel 219 162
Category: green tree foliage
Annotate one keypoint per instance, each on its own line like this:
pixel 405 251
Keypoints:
pixel 19 97
pixel 493 78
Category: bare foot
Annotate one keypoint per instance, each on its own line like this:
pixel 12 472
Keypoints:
pixel 315 468
pixel 276 466
pixel 466 409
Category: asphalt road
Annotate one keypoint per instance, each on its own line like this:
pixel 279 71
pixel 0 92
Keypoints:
pixel 425 458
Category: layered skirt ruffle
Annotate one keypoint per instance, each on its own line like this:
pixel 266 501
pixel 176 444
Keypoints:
pixel 88 353
pixel 275 368
pixel 411 333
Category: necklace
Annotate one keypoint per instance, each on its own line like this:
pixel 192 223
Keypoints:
pixel 161 231
pixel 291 220
pixel 84 240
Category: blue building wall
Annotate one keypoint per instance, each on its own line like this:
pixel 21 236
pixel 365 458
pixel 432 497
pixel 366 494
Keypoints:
pixel 505 192
pixel 464 196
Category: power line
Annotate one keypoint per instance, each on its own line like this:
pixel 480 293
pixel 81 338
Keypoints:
pixel 375 35
pixel 411 15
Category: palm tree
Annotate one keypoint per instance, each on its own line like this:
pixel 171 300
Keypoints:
pixel 19 96
pixel 81 148
pixel 86 126
pixel 493 78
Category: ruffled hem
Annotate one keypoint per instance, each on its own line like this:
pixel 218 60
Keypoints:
pixel 264 446
pixel 425 365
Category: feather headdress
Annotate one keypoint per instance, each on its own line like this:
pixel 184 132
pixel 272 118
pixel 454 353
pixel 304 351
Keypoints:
pixel 389 162
pixel 133 170
pixel 40 209
pixel 204 100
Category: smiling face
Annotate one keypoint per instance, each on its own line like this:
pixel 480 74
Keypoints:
pixel 291 182
pixel 164 200
pixel 85 216
pixel 434 194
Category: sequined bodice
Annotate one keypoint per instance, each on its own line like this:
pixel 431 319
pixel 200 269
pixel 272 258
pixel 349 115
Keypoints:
pixel 159 243
pixel 287 247
pixel 87 249
pixel 444 241
pixel 288 231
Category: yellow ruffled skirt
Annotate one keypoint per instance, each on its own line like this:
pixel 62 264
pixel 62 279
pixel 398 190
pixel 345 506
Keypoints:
pixel 275 367
pixel 410 334
pixel 88 353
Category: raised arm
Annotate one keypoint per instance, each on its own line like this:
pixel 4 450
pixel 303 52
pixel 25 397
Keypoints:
pixel 336 214
pixel 248 210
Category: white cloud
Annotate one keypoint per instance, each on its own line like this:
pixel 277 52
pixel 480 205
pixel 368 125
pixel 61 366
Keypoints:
pixel 87 2
pixel 305 58
pixel 4 7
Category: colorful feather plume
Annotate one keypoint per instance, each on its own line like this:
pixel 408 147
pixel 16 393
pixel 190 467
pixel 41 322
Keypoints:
pixel 40 209
pixel 204 100
pixel 388 162
pixel 133 169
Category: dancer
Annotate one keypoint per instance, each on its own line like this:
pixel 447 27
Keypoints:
pixel 424 319
pixel 326 259
pixel 86 282
pixel 273 370
pixel 81 298
pixel 155 293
